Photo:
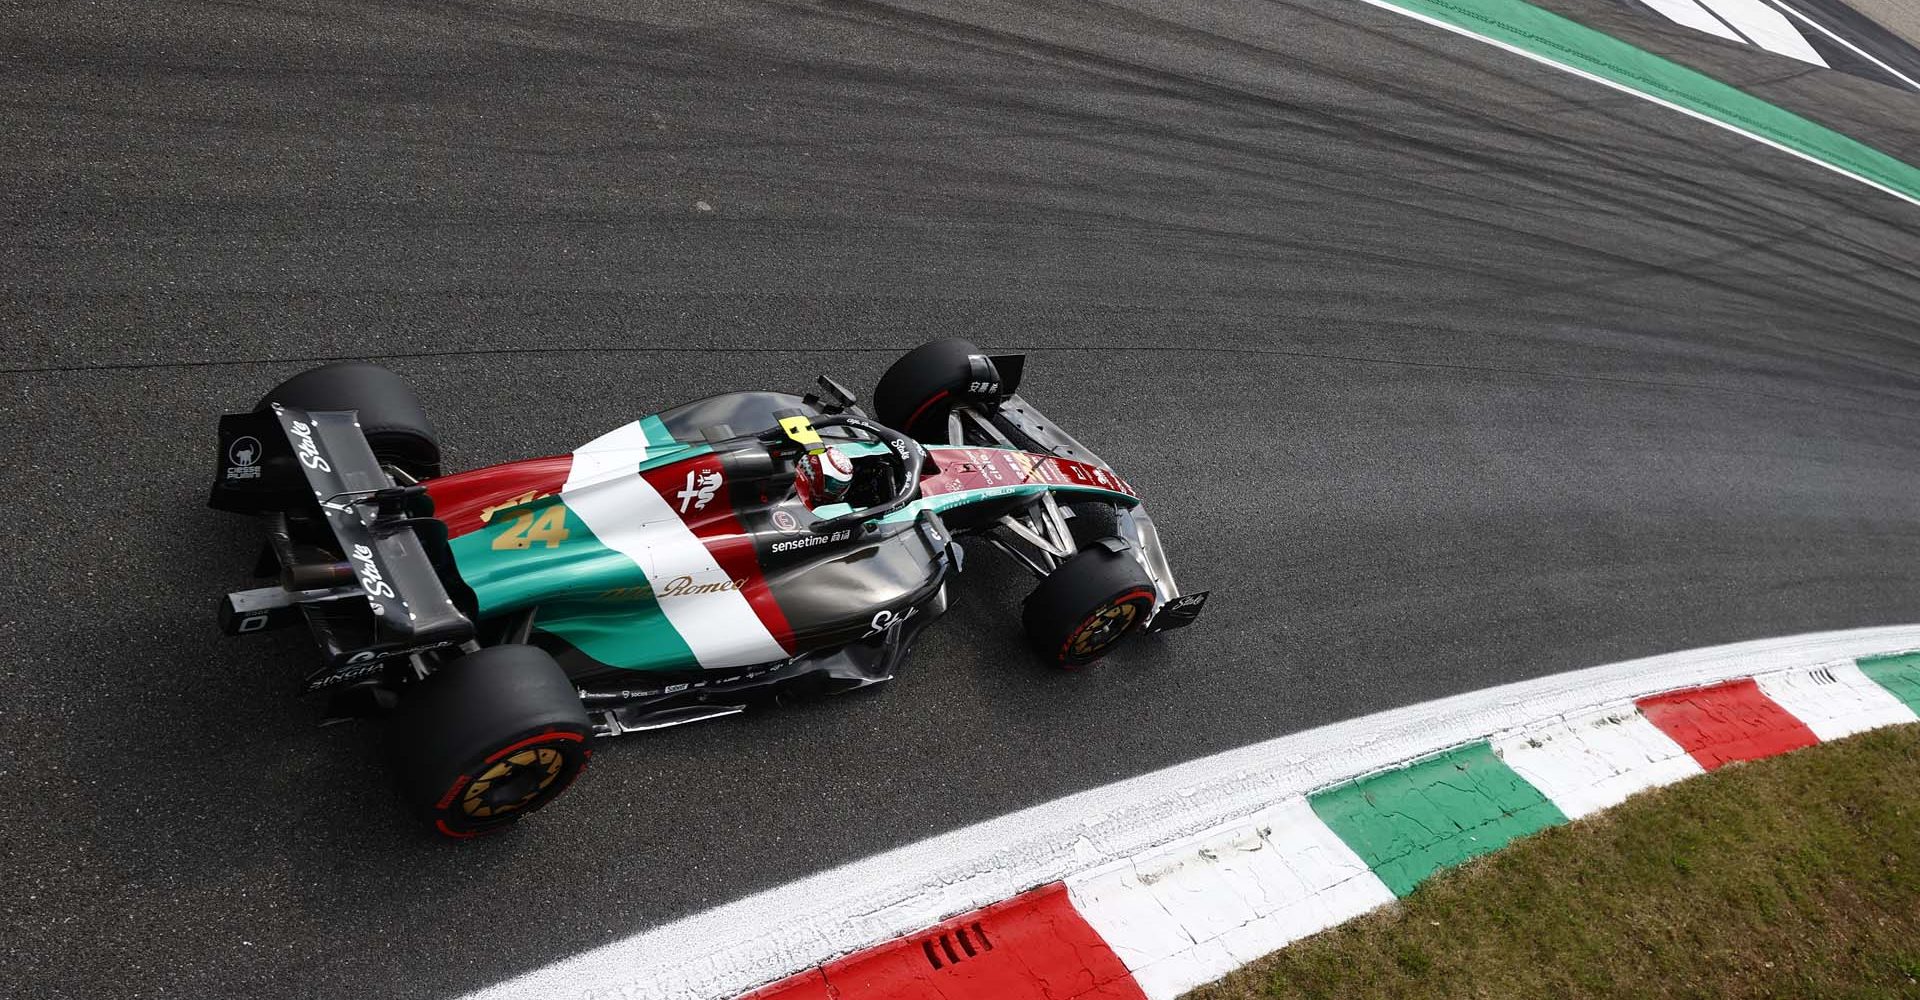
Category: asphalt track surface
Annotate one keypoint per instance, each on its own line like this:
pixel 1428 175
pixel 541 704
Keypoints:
pixel 1441 370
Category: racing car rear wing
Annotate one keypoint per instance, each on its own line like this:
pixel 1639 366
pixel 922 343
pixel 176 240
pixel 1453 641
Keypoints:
pixel 380 596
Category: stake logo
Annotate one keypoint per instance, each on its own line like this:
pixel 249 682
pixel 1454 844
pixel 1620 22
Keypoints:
pixel 308 451
pixel 885 620
pixel 371 579
pixel 701 486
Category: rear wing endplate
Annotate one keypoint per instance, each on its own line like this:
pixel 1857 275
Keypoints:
pixel 288 459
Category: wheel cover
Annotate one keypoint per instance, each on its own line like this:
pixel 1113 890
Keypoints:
pixel 512 783
pixel 1103 629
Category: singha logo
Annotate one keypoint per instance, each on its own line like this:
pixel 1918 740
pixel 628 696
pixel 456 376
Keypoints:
pixel 701 486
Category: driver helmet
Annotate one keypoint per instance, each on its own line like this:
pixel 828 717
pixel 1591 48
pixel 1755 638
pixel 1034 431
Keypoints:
pixel 829 472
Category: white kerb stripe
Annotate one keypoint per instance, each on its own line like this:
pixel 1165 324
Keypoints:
pixel 1587 761
pixel 619 450
pixel 1834 699
pixel 629 516
pixel 1196 909
pixel 1690 14
pixel 1766 27
pixel 704 956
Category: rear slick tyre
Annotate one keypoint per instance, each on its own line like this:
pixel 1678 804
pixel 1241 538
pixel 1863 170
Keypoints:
pixel 390 413
pixel 489 738
pixel 1086 606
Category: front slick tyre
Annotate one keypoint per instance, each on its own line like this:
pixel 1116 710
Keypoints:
pixel 1082 610
pixel 918 390
pixel 489 738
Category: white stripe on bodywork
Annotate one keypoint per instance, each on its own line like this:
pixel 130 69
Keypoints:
pixel 1590 760
pixel 629 516
pixel 619 450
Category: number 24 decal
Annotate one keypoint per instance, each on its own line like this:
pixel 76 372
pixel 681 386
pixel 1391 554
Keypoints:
pixel 548 525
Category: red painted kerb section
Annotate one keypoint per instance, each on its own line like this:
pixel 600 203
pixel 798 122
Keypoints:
pixel 1726 722
pixel 1035 946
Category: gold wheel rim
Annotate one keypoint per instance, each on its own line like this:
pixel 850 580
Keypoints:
pixel 1100 631
pixel 512 782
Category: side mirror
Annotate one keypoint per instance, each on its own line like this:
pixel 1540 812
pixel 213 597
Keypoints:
pixel 837 397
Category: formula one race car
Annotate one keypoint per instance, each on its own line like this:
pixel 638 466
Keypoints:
pixel 685 566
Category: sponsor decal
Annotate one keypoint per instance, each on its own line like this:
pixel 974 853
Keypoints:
pixel 683 586
pixel 243 458
pixel 800 430
pixel 351 672
pixel 486 513
pixel 701 486
pixel 307 451
pixel 641 592
pixel 786 522
pixel 371 579
pixel 983 388
pixel 887 620
pixel 810 541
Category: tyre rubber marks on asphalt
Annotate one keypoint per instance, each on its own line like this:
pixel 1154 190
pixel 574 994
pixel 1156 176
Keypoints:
pixel 1566 45
pixel 1781 27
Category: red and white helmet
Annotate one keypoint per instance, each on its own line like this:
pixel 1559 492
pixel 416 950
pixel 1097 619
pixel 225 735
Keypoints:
pixel 829 472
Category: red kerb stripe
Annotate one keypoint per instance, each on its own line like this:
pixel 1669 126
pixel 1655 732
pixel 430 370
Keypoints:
pixel 1726 722
pixel 1034 946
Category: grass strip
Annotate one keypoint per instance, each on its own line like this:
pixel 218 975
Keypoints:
pixel 1796 876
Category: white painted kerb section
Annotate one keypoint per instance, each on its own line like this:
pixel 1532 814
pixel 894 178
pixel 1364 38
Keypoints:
pixel 730 949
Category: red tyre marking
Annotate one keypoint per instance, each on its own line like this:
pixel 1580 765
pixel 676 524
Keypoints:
pixel 931 400
pixel 1035 946
pixel 454 792
pixel 1146 592
pixel 1727 722
pixel 441 825
pixel 553 734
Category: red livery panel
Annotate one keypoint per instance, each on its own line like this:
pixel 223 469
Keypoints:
pixel 984 468
pixel 465 500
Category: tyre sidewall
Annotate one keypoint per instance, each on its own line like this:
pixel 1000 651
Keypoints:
pixel 477 710
pixel 1085 585
pixel 391 414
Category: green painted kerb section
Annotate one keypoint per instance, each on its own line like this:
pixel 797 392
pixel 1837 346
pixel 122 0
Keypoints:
pixel 1898 673
pixel 1546 34
pixel 1413 821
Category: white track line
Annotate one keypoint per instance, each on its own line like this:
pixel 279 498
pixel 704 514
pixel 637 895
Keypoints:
pixel 1855 49
pixel 1603 81
pixel 735 947
pixel 1765 27
pixel 1689 14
